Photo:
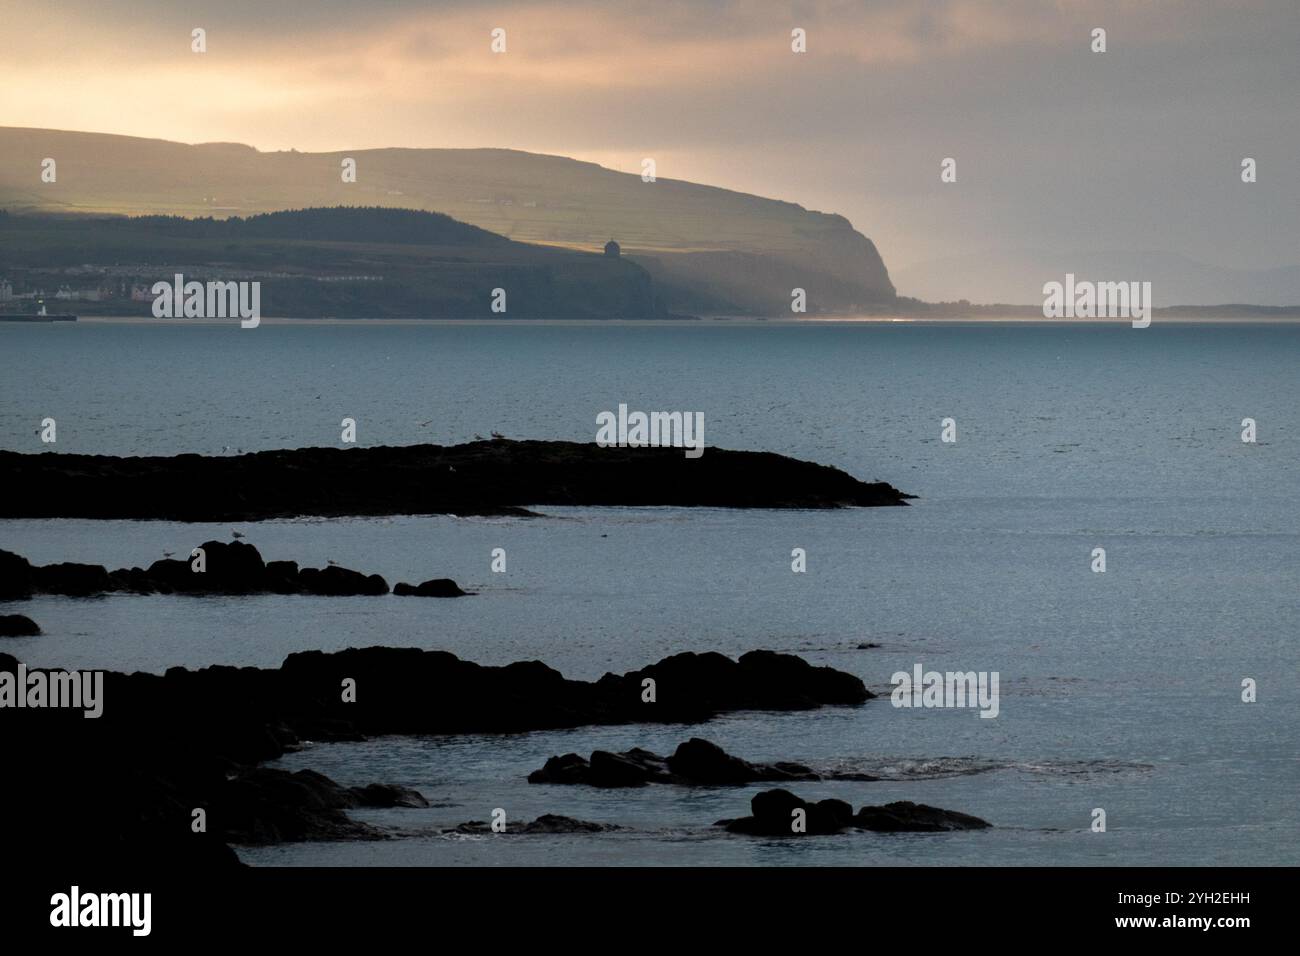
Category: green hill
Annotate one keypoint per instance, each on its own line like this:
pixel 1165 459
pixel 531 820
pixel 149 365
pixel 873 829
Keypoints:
pixel 334 263
pixel 357 224
pixel 711 250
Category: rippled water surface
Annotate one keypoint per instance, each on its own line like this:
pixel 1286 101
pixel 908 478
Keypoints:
pixel 1118 690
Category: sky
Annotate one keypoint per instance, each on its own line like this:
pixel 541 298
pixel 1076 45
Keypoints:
pixel 1057 147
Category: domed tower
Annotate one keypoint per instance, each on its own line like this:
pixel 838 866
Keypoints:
pixel 612 250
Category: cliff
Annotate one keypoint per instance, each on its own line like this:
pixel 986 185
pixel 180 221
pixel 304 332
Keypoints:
pixel 706 246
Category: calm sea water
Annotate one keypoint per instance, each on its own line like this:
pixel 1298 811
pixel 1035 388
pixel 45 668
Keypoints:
pixel 1118 690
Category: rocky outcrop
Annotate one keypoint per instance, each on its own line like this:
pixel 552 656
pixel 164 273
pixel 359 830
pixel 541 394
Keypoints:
pixel 227 568
pixel 774 813
pixel 904 816
pixel 406 690
pixel 498 477
pixel 18 625
pixel 696 762
pixel 264 805
pixel 436 587
pixel 166 745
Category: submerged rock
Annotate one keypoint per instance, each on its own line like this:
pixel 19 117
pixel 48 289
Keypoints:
pixel 18 625
pixel 547 823
pixel 773 813
pixel 387 795
pixel 696 762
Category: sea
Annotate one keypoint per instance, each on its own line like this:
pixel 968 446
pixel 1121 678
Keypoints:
pixel 1121 691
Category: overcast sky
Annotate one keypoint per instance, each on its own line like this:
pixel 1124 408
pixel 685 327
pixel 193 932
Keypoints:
pixel 1057 147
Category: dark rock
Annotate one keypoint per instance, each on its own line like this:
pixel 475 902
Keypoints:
pixel 547 823
pixel 230 567
pixel 773 814
pixel 802 683
pixel 15 577
pixel 633 769
pixel 690 687
pixel 706 762
pixel 700 761
pixel 695 763
pixel 70 579
pixel 263 805
pixel 407 690
pixel 282 577
pixel 905 816
pixel 18 625
pixel 485 477
pixel 570 768
pixel 437 588
pixel 387 795
pixel 167 744
pixel 339 582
